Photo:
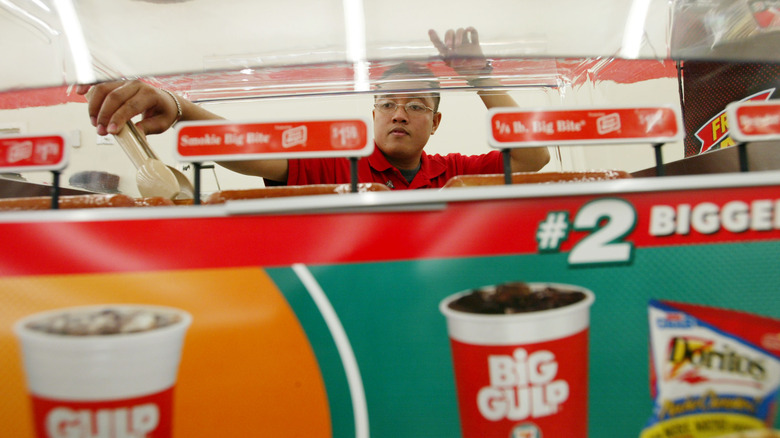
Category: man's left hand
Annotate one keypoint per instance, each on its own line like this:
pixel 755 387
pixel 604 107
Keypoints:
pixel 461 51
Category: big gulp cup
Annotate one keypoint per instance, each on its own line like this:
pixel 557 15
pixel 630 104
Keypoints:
pixel 93 384
pixel 522 375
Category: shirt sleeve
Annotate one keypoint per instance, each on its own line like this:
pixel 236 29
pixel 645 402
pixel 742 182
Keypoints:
pixel 491 162
pixel 318 171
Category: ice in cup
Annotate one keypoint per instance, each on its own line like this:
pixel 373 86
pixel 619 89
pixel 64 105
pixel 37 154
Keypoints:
pixel 520 357
pixel 103 371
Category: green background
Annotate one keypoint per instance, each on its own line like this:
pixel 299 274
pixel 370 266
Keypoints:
pixel 390 313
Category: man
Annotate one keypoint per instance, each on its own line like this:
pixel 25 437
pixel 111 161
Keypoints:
pixel 403 123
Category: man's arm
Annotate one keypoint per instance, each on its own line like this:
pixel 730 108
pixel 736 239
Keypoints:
pixel 461 51
pixel 112 104
pixel 523 159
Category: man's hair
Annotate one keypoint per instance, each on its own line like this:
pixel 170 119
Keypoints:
pixel 409 71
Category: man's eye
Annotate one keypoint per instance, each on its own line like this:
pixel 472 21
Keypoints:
pixel 416 107
pixel 387 105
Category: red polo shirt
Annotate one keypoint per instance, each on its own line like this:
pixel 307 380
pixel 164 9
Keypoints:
pixel 435 170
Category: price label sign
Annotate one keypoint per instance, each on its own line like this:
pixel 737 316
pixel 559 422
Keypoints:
pixel 229 141
pixel 509 127
pixel 754 121
pixel 33 153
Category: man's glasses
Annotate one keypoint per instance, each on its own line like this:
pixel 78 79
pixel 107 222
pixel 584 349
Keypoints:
pixel 411 107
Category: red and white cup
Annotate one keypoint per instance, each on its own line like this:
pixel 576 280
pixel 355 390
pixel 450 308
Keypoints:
pixel 118 385
pixel 522 375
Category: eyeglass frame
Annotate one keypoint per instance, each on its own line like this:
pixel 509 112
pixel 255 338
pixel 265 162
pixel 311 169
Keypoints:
pixel 405 106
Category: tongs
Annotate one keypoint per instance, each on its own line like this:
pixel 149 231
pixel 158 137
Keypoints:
pixel 154 178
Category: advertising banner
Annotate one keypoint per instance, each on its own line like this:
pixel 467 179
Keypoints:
pixel 708 87
pixel 331 324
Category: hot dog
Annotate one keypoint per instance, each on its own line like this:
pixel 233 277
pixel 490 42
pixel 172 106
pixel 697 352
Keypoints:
pixel 66 202
pixel 283 191
pixel 535 178
pixel 80 201
pixel 156 201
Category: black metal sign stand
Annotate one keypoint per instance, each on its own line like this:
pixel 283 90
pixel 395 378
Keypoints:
pixel 506 153
pixel 55 190
pixel 196 182
pixel 353 162
pixel 743 158
pixel 659 160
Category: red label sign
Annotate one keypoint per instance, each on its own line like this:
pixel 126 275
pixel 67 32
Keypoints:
pixel 512 128
pixel 536 390
pixel 752 121
pixel 146 416
pixel 301 139
pixel 23 154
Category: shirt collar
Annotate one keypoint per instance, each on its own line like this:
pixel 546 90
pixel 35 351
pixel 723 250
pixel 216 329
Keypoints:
pixel 378 161
pixel 429 169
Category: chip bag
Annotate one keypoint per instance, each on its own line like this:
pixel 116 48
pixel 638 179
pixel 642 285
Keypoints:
pixel 712 371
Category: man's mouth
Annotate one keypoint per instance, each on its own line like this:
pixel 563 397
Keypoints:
pixel 399 132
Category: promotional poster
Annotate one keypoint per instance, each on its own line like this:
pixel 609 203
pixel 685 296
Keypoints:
pixel 329 324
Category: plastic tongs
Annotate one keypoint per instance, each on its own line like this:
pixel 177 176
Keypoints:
pixel 154 178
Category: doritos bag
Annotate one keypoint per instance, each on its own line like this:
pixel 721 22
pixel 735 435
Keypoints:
pixel 712 371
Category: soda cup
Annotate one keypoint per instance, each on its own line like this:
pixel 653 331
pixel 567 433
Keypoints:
pixel 117 385
pixel 522 375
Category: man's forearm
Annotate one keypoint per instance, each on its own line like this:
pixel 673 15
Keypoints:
pixel 523 159
pixel 492 98
pixel 529 159
pixel 271 169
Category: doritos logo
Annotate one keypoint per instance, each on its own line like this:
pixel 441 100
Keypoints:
pixel 684 352
pixel 688 356
pixel 715 133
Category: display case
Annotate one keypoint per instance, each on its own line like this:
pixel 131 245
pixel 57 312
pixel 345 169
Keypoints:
pixel 320 315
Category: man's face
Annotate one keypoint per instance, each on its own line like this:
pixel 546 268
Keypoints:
pixel 402 134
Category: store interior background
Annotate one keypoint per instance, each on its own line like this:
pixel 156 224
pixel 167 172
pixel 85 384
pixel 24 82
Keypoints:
pixel 272 35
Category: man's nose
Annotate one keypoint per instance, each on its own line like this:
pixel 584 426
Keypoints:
pixel 400 114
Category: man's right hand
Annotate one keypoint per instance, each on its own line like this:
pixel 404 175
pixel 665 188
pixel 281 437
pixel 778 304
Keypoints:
pixel 112 104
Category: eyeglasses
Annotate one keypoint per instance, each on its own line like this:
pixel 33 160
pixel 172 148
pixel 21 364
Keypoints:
pixel 411 107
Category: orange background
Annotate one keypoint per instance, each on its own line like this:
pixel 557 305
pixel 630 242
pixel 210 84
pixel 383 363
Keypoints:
pixel 247 368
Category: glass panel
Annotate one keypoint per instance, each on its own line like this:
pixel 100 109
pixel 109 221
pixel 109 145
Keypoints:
pixel 249 59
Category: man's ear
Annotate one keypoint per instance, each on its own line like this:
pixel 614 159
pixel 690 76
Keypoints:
pixel 436 122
